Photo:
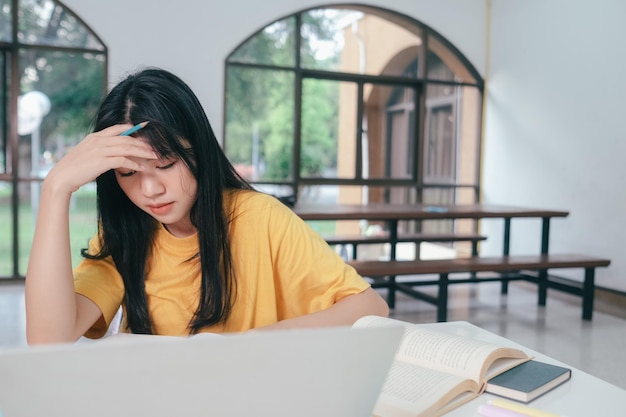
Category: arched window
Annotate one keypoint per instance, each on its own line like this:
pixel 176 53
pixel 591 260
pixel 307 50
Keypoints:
pixel 52 77
pixel 354 104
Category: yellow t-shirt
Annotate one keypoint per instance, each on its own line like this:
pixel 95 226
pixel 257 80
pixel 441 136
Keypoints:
pixel 283 269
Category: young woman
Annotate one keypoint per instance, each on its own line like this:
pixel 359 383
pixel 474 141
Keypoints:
pixel 185 245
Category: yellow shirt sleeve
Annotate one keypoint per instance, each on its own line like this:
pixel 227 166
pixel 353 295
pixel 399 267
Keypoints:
pixel 99 281
pixel 283 266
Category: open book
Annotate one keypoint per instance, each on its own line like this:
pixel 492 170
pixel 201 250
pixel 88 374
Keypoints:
pixel 435 372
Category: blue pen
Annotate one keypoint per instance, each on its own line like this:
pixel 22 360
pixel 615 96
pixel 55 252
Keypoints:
pixel 134 129
pixel 435 209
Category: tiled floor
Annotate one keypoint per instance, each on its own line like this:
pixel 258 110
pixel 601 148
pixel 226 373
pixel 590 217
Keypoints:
pixel 596 347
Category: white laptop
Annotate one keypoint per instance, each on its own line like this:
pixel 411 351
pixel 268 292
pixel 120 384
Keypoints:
pixel 328 372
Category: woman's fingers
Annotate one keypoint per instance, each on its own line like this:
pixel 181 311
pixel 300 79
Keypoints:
pixel 123 146
pixel 100 152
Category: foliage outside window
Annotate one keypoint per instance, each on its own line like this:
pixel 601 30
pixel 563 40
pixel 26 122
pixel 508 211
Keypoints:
pixel 354 104
pixel 52 77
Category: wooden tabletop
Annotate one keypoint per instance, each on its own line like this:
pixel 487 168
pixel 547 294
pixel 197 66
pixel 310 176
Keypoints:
pixel 380 211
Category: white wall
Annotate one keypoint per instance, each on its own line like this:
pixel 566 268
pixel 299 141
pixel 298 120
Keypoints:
pixel 554 109
pixel 555 134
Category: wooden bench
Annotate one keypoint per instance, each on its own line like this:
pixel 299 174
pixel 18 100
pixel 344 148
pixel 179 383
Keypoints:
pixel 532 268
pixel 417 238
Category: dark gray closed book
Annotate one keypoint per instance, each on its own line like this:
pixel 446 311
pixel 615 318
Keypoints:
pixel 528 381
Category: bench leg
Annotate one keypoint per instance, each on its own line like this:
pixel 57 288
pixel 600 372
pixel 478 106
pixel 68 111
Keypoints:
pixel 391 291
pixel 474 249
pixel 588 293
pixel 442 298
pixel 542 287
pixel 474 254
pixel 504 287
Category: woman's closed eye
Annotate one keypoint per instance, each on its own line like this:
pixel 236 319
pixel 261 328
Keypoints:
pixel 163 166
pixel 167 165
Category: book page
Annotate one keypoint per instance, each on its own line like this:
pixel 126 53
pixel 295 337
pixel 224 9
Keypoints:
pixel 413 390
pixel 463 356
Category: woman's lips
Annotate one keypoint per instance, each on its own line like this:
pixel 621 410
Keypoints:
pixel 160 209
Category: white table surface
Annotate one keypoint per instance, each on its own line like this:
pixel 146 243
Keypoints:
pixel 582 396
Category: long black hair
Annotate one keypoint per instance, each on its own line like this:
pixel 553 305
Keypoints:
pixel 178 127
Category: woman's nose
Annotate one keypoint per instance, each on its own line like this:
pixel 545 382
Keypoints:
pixel 151 186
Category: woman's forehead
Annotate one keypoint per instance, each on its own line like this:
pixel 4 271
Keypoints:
pixel 165 144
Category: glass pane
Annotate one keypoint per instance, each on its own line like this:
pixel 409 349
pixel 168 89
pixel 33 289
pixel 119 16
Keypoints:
pixel 259 123
pixel 321 129
pixel 6 231
pixel 274 45
pixel 356 42
pixel 284 193
pixel 26 221
pixel 470 122
pixel 392 194
pixel 390 120
pixel 438 197
pixel 45 22
pixel 452 137
pixel 61 93
pixel 83 220
pixel 441 139
pixel 332 194
pixel 6 21
pixel 4 113
pixel 346 148
pixel 444 64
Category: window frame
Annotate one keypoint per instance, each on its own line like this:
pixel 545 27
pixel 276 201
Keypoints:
pixel 10 84
pixel 419 84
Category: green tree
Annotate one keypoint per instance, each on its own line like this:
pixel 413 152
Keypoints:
pixel 263 97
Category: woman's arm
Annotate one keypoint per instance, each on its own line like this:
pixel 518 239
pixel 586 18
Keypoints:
pixel 343 313
pixel 54 312
pixel 51 304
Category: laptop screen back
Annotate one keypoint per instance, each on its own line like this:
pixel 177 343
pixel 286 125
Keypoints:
pixel 306 373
